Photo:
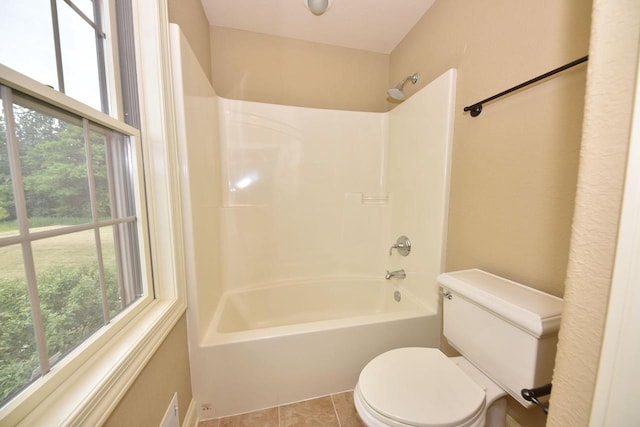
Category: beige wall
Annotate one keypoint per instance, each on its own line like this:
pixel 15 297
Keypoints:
pixel 256 67
pixel 609 97
pixel 514 166
pixel 190 16
pixel 166 373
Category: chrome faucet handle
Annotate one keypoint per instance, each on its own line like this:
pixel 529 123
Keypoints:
pixel 403 245
pixel 398 246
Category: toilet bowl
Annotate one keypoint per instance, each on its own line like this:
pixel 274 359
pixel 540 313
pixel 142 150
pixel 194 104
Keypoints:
pixel 421 387
pixel 507 336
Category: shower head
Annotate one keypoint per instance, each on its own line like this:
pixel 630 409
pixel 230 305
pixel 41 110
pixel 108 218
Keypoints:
pixel 396 91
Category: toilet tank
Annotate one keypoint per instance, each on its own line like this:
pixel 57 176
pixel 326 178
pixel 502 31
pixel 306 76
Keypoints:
pixel 507 330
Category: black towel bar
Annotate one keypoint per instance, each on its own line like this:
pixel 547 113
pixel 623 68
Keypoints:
pixel 476 109
pixel 532 395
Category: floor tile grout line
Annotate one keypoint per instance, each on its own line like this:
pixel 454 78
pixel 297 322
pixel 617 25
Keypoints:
pixel 279 409
pixel 335 410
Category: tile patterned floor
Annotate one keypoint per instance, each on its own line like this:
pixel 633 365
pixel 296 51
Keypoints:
pixel 336 410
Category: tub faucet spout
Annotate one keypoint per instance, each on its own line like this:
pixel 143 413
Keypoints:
pixel 400 274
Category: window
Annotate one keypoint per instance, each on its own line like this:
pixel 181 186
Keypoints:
pixel 65 42
pixel 73 203
pixel 69 253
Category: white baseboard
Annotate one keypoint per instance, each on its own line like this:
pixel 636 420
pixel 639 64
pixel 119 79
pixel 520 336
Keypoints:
pixel 191 416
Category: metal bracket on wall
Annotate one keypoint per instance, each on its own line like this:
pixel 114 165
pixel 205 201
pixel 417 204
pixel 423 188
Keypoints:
pixel 532 395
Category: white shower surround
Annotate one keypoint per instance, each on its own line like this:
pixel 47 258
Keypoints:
pixel 293 183
pixel 305 195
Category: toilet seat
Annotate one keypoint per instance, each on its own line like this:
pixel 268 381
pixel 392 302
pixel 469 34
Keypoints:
pixel 419 387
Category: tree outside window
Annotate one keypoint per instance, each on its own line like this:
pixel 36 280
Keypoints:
pixel 67 236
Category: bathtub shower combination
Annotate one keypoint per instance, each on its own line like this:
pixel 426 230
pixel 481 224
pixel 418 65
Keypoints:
pixel 247 315
pixel 293 342
pixel 289 217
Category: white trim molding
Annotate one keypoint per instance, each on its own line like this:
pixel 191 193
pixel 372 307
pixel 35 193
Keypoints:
pixel 191 416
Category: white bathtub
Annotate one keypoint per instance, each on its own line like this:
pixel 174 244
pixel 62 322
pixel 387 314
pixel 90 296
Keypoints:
pixel 291 342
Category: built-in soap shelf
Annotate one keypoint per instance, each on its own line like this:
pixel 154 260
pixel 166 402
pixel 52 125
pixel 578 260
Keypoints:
pixel 375 199
pixel 243 206
pixel 368 199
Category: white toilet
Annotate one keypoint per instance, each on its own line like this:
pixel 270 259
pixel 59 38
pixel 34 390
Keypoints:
pixel 507 335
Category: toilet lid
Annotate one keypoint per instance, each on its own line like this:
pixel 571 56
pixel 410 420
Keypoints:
pixel 420 387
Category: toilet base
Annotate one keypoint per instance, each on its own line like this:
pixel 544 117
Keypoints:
pixel 497 413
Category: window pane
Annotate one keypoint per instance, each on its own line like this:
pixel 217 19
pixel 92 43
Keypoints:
pixel 112 171
pixel 127 250
pixel 114 285
pixel 100 172
pixel 69 289
pixel 19 364
pixel 54 169
pixel 79 57
pixel 121 266
pixel 27 44
pixel 8 224
pixel 122 158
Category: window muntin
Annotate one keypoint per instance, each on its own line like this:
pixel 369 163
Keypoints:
pixel 65 44
pixel 6 182
pixel 74 228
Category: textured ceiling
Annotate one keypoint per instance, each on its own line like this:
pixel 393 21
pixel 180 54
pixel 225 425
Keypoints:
pixel 373 25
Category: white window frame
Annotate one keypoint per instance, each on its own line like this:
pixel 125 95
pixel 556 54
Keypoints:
pixel 84 389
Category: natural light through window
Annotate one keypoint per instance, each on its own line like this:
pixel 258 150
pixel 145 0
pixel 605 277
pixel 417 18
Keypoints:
pixel 84 203
pixel 68 243
pixel 65 46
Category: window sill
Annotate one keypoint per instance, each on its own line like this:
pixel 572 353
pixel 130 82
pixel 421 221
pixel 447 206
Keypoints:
pixel 89 395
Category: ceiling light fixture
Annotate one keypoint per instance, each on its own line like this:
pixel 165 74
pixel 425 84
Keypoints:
pixel 318 7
